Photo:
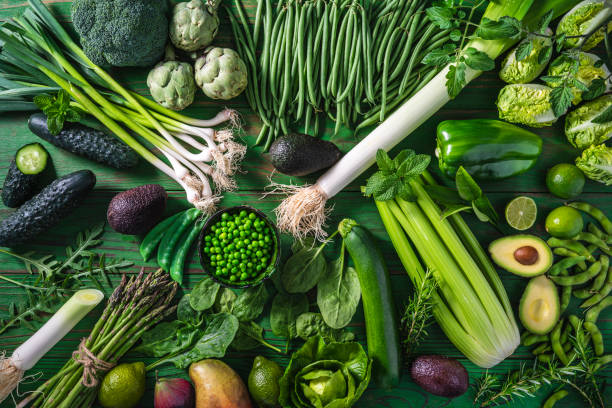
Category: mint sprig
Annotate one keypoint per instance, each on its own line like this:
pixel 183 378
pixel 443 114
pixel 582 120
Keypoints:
pixel 394 175
pixel 58 110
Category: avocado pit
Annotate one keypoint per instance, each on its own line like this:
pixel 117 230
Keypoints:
pixel 526 255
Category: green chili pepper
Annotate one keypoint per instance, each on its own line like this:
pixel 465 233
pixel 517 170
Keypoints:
pixel 596 337
pixel 565 264
pixel 594 212
pixel 552 400
pixel 578 279
pixel 555 343
pixel 178 261
pixel 605 290
pixel 572 246
pixel 172 236
pixel 152 239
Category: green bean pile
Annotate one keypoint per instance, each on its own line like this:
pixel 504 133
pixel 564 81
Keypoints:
pixel 353 61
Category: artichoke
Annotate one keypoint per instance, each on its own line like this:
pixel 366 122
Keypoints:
pixel 194 24
pixel 221 73
pixel 596 163
pixel 172 85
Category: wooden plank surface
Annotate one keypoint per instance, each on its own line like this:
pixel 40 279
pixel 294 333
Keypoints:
pixel 477 101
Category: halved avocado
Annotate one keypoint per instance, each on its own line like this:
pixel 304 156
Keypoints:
pixel 539 307
pixel 522 255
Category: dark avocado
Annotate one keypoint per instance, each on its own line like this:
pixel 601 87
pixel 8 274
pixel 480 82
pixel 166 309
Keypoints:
pixel 297 154
pixel 47 208
pixel 86 142
pixel 440 375
pixel 136 211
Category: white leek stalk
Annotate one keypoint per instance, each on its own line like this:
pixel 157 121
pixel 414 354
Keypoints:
pixel 30 352
pixel 304 212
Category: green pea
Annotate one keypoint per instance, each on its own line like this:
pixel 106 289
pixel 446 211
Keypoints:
pixel 243 213
pixel 232 278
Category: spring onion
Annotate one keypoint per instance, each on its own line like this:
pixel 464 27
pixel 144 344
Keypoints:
pixel 38 55
pixel 27 355
pixel 304 212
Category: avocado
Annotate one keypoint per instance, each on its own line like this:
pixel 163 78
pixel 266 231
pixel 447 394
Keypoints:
pixel 440 375
pixel 297 154
pixel 47 208
pixel 136 211
pixel 539 307
pixel 522 255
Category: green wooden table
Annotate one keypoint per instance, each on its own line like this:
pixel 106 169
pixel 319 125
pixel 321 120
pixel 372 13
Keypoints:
pixel 477 101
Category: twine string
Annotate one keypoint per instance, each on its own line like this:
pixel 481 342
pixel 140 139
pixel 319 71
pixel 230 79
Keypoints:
pixel 93 367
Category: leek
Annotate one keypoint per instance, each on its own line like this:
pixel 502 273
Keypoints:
pixel 470 305
pixel 304 212
pixel 27 355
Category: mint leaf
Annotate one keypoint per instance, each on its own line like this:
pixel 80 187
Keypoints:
pixel 402 156
pixel 43 101
pixel 595 89
pixel 523 50
pixel 504 28
pixel 544 54
pixel 436 57
pixel 478 60
pixel 551 79
pixel 560 41
pixel 455 35
pixel 63 99
pixel 545 21
pixel 384 162
pixel 466 186
pixel 579 84
pixel 55 124
pixel 405 192
pixel 561 99
pixel 74 115
pixel 414 166
pixel 373 182
pixel 387 188
pixel 455 79
pixel 440 16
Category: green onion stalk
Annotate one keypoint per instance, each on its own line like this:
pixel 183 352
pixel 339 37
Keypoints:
pixel 470 304
pixel 136 305
pixel 39 56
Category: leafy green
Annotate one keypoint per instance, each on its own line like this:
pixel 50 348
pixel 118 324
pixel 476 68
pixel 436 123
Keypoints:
pixel 284 313
pixel 478 60
pixel 166 338
pixel 311 324
pixel 596 163
pixel 590 124
pixel 250 304
pixel 225 301
pixel 418 313
pixel 58 110
pixel 394 176
pixel 325 375
pixel 250 335
pixel 219 333
pixel 528 104
pixel 338 293
pixel 204 294
pixel 304 268
pixel 187 314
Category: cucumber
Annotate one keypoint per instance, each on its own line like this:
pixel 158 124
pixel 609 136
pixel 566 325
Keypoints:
pixel 47 208
pixel 86 142
pixel 24 174
pixel 379 310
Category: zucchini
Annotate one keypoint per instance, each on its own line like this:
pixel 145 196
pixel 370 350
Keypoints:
pixel 86 142
pixel 24 174
pixel 47 208
pixel 379 310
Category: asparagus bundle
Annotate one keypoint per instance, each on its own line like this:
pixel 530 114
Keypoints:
pixel 137 304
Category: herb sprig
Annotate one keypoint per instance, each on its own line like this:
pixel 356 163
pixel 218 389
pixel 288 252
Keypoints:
pixel 58 110
pixel 418 313
pixel 54 280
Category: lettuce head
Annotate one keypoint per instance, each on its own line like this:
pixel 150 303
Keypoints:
pixel 590 67
pixel 526 70
pixel 586 18
pixel 527 104
pixel 596 163
pixel 580 129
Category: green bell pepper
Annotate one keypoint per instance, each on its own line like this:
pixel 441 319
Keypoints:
pixel 488 149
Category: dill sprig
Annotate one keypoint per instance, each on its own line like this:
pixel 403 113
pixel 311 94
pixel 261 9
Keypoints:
pixel 54 281
pixel 418 313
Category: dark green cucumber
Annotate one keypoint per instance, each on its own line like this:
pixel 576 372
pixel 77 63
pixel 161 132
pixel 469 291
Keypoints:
pixel 87 142
pixel 47 208
pixel 24 174
pixel 379 310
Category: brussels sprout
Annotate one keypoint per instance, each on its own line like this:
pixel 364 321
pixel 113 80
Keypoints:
pixel 528 104
pixel 526 70
pixel 596 163
pixel 172 85
pixel 194 24
pixel 580 129
pixel 590 67
pixel 585 19
pixel 221 73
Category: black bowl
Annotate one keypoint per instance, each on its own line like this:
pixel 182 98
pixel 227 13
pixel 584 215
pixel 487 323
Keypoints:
pixel 262 276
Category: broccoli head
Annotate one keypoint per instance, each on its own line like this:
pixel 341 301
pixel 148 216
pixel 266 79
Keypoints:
pixel 122 32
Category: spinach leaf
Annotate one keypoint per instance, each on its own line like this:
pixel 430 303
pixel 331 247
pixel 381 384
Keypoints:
pixel 220 331
pixel 338 293
pixel 204 294
pixel 312 324
pixel 250 336
pixel 250 303
pixel 303 269
pixel 284 313
pixel 186 314
pixel 225 301
pixel 168 338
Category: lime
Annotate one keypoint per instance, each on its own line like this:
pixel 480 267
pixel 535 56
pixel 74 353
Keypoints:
pixel 564 222
pixel 521 213
pixel 565 180
pixel 263 382
pixel 123 386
